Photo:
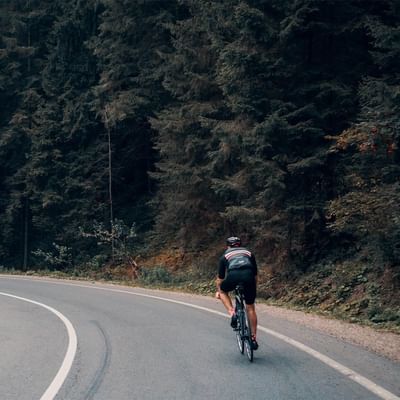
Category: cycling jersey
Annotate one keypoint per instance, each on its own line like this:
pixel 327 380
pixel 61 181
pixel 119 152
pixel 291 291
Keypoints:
pixel 236 258
pixel 238 265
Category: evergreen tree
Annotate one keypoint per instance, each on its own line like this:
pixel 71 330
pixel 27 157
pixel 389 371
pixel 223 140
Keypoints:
pixel 26 23
pixel 257 89
pixel 368 208
pixel 132 34
pixel 185 201
pixel 69 152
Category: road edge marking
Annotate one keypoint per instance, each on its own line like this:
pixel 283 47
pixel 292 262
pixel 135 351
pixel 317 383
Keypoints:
pixel 69 357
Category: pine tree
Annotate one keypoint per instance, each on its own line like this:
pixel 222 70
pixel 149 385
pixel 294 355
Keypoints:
pixel 185 140
pixel 68 151
pixel 367 210
pixel 26 23
pixel 131 36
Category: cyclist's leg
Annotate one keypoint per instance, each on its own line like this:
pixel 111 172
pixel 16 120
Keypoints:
pixel 250 296
pixel 226 286
pixel 251 312
pixel 227 302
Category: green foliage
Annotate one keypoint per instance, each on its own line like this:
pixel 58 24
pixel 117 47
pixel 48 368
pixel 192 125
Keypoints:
pixel 120 239
pixel 372 212
pixel 155 276
pixel 352 290
pixel 95 264
pixel 60 257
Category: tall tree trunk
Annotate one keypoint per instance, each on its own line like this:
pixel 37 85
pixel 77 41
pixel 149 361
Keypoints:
pixel 26 229
pixel 26 200
pixel 110 182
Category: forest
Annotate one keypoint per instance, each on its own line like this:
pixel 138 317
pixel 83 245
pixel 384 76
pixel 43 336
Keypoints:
pixel 144 132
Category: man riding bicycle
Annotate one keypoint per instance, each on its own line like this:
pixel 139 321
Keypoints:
pixel 238 265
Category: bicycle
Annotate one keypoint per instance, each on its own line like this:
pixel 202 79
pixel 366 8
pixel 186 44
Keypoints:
pixel 243 330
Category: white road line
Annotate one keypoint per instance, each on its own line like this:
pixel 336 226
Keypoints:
pixel 349 373
pixel 62 373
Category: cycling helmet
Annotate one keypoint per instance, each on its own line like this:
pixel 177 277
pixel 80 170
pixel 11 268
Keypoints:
pixel 233 241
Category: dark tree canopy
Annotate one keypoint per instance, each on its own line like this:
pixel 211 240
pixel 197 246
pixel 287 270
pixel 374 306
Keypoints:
pixel 274 120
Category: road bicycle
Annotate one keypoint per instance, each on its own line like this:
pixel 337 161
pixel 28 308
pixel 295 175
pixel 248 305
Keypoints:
pixel 243 330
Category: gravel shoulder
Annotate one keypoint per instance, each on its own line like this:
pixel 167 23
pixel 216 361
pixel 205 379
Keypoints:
pixel 383 343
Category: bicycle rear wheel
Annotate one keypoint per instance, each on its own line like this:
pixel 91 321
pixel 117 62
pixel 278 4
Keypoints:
pixel 247 342
pixel 240 331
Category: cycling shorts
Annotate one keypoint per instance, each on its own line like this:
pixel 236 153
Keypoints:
pixel 246 278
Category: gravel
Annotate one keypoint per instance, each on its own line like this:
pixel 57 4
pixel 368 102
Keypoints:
pixel 381 342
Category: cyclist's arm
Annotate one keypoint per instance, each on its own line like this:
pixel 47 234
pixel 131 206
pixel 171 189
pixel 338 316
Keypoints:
pixel 221 274
pixel 255 268
pixel 254 264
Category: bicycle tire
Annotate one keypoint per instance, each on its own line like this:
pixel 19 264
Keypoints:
pixel 240 331
pixel 247 342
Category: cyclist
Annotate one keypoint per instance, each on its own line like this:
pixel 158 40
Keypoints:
pixel 238 265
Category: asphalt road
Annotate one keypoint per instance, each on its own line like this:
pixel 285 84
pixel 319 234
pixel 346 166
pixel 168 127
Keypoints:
pixel 138 344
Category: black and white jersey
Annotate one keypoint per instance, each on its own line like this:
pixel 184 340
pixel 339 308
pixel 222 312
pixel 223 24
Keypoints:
pixel 236 258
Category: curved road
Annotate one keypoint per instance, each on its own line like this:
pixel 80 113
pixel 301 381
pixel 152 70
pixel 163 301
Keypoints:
pixel 139 344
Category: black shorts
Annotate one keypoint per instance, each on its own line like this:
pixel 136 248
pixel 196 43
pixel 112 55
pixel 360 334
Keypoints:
pixel 245 277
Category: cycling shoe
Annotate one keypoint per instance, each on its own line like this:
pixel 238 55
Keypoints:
pixel 234 321
pixel 254 343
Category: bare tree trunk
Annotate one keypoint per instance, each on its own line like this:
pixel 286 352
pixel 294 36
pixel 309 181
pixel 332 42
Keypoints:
pixel 26 200
pixel 110 183
pixel 134 268
pixel 26 228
